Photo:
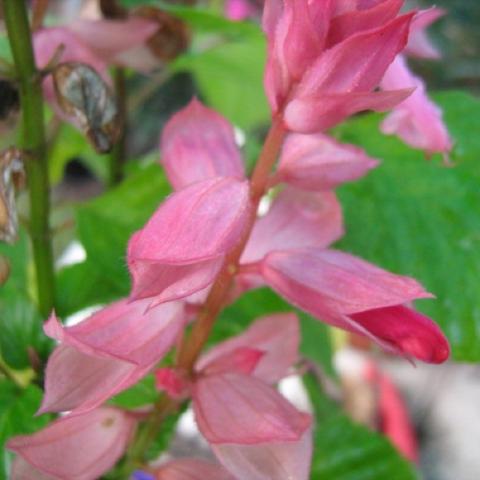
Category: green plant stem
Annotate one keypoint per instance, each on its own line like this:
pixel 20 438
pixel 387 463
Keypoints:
pixel 192 345
pixel 32 139
pixel 118 156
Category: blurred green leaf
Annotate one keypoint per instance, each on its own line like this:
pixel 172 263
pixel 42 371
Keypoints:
pixel 17 409
pixel 104 226
pixel 344 450
pixel 230 77
pixel 419 218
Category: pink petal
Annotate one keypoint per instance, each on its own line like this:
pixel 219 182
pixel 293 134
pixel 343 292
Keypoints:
pixel 277 336
pixel 407 332
pixel 234 408
pixel 79 447
pixel 354 21
pixel 22 470
pixel 317 162
pixel 191 469
pixel 47 40
pixel 419 45
pixel 342 70
pixel 197 144
pixel 239 360
pixel 416 120
pixel 79 382
pixel 182 247
pixel 296 219
pixel 272 12
pixel 267 461
pixel 329 282
pixel 314 114
pixel 108 38
pixel 125 331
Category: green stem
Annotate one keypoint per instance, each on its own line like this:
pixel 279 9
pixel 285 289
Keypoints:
pixel 118 156
pixel 32 139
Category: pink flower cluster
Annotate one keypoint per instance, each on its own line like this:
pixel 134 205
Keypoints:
pixel 325 60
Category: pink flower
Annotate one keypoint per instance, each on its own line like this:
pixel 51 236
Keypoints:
pixel 73 448
pixel 108 352
pixel 317 162
pixel 197 144
pixel 419 45
pixel 314 74
pixel 183 246
pixel 416 120
pixel 351 294
pixel 252 429
pixel 239 9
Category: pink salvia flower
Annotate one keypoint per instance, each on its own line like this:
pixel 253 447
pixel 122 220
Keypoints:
pixel 198 144
pixel 314 75
pixel 252 429
pixel 239 9
pixel 419 45
pixel 192 469
pixel 182 247
pixel 107 352
pixel 75 448
pixel 416 120
pixel 317 162
pixel 349 293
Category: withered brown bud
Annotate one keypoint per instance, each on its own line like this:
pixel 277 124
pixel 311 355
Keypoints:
pixel 88 102
pixel 172 37
pixel 9 100
pixel 12 176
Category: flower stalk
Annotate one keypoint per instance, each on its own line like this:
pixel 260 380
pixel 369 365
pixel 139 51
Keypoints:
pixel 33 140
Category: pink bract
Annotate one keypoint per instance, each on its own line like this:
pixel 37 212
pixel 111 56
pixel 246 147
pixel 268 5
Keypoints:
pixel 191 469
pixel 79 447
pixel 197 144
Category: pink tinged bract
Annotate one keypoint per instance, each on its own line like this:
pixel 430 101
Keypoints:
pixel 296 219
pixel 112 40
pixel 242 359
pixel 419 45
pixel 79 383
pixel 191 469
pixel 352 294
pixel 267 461
pixel 317 162
pixel 340 82
pixel 182 247
pixel 236 408
pixel 197 144
pixel 277 336
pixel 22 470
pixel 416 120
pixel 125 331
pixel 79 447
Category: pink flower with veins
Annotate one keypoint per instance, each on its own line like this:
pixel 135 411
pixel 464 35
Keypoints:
pixel 80 447
pixel 252 429
pixel 315 76
pixel 107 353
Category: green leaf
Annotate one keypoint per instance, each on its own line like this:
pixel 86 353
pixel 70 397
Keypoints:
pixel 141 394
pixel 419 218
pixel 344 450
pixel 230 77
pixel 104 226
pixel 17 409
